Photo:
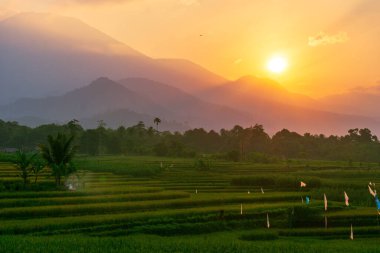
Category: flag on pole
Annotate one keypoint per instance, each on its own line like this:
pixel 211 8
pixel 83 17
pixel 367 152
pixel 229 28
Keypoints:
pixel 241 209
pixel 268 225
pixel 377 203
pixel 346 199
pixel 302 184
pixel 262 191
pixel 371 191
pixel 352 233
pixel 307 200
pixel 325 199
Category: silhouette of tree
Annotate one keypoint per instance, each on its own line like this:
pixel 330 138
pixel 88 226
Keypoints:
pixel 23 164
pixel 157 121
pixel 58 154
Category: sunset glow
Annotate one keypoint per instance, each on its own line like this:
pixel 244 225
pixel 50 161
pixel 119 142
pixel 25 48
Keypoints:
pixel 277 64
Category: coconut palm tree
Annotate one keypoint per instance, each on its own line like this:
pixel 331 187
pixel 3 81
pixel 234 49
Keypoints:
pixel 37 167
pixel 157 121
pixel 58 154
pixel 23 164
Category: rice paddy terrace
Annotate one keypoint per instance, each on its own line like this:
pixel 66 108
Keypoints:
pixel 144 204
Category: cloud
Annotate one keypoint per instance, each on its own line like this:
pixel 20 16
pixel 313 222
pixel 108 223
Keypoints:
pixel 323 39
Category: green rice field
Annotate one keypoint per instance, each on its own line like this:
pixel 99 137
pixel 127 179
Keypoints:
pixel 153 204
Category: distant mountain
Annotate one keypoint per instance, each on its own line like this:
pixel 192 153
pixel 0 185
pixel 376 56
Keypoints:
pixel 125 117
pixel 46 54
pixel 273 106
pixel 249 89
pixel 363 102
pixel 186 107
pixel 102 95
pixel 135 99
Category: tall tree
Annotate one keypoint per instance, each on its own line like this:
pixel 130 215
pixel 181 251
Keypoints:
pixel 157 121
pixel 58 154
pixel 37 166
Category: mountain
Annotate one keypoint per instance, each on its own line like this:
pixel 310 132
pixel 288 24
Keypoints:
pixel 125 117
pixel 186 107
pixel 134 100
pixel 273 106
pixel 102 95
pixel 261 90
pixel 46 54
pixel 362 102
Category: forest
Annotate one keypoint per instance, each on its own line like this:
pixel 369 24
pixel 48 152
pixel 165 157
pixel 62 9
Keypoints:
pixel 237 144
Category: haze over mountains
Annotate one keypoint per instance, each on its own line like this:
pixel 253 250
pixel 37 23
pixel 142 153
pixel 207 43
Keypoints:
pixel 45 54
pixel 55 68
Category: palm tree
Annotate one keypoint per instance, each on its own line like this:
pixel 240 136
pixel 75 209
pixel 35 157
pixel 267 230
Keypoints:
pixel 157 121
pixel 23 163
pixel 37 166
pixel 58 154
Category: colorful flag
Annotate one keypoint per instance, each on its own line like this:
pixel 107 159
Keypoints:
pixel 371 191
pixel 352 233
pixel 377 203
pixel 268 225
pixel 325 199
pixel 346 199
pixel 262 191
pixel 302 184
pixel 307 200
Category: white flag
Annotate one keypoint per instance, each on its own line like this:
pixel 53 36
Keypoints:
pixel 352 233
pixel 371 191
pixel 241 209
pixel 268 225
pixel 346 199
pixel 302 184
pixel 325 199
pixel 262 191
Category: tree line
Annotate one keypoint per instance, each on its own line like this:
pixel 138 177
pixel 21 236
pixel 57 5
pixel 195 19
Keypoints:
pixel 235 144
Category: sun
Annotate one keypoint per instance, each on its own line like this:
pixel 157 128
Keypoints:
pixel 277 64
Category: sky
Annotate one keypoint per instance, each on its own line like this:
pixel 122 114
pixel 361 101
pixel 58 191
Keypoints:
pixel 330 46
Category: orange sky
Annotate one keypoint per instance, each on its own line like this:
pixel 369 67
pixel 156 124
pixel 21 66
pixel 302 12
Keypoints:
pixel 331 45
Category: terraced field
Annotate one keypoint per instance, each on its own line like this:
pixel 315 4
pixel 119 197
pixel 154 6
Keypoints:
pixel 149 204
